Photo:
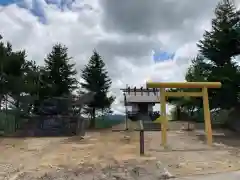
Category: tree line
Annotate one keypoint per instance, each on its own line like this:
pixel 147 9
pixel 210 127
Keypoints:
pixel 22 79
pixel 216 62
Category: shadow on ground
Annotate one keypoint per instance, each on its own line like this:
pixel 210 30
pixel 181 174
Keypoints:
pixel 36 134
pixel 41 133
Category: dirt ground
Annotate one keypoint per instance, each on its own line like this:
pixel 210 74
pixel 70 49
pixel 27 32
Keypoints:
pixel 113 155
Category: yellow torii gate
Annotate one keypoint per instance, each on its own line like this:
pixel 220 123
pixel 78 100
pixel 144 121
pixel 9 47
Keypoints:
pixel 204 94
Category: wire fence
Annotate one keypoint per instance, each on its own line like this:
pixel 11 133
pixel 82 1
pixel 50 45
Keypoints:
pixel 52 117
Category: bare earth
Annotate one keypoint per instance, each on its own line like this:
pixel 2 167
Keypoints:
pixel 112 155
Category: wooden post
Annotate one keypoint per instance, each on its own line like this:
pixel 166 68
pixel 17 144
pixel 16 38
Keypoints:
pixel 126 111
pixel 141 142
pixel 207 118
pixel 141 138
pixel 164 117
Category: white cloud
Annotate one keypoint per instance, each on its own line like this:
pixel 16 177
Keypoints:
pixel 125 49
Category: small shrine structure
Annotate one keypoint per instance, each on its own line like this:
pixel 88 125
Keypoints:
pixel 139 103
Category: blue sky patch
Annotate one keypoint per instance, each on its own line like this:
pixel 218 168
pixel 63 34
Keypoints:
pixel 61 3
pixel 37 7
pixel 160 55
pixel 7 2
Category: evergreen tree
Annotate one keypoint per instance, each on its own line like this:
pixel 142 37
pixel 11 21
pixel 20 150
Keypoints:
pixel 218 48
pixel 57 78
pixel 5 52
pixel 96 79
pixel 12 69
pixel 216 61
pixel 223 42
pixel 31 78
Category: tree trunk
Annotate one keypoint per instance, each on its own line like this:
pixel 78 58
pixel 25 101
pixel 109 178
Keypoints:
pixel 92 121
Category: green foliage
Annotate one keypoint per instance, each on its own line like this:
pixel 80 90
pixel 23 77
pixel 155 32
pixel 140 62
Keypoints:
pixel 24 85
pixel 216 62
pixel 32 79
pixel 59 72
pixel 218 48
pixel 222 42
pixel 199 70
pixel 96 80
pixel 15 69
pixel 4 53
pixel 12 68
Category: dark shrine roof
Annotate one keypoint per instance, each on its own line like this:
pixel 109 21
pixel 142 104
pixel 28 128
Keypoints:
pixel 140 89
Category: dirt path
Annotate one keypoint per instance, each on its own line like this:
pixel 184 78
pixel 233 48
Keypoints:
pixel 108 155
pixel 187 155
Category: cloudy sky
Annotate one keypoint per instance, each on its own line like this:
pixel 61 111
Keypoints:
pixel 127 33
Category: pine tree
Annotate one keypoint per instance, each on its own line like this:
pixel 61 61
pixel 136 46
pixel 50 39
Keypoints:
pixel 5 52
pixel 58 74
pixel 96 79
pixel 12 68
pixel 219 47
pixel 223 41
